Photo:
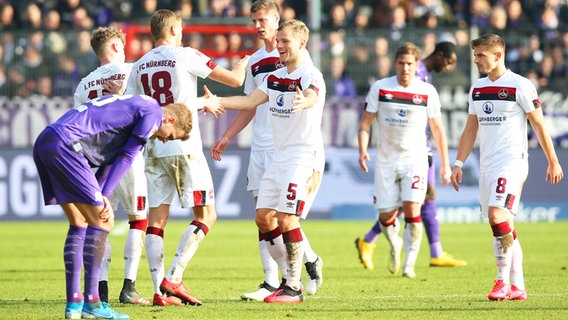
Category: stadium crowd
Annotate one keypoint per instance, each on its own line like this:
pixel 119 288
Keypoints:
pixel 45 43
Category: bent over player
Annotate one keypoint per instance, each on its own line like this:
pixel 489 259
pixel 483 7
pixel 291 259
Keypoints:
pixel 87 137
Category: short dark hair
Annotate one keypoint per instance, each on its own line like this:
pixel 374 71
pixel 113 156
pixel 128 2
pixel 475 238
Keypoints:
pixel 447 48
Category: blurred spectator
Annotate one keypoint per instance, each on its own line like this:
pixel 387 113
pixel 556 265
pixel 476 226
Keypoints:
pixel 80 19
pixel 337 19
pixel 66 76
pixel 185 9
pixel 144 10
pixel 383 13
pixel 66 9
pixel 336 44
pixel 288 13
pixel 221 9
pixel 548 21
pixel 235 43
pixel 7 17
pixel 31 17
pixel 429 10
pixel 84 54
pixel 516 17
pixel 52 21
pixel 383 67
pixel 361 21
pixel 342 85
pixel 397 23
pixel 220 44
pixel 358 62
pixel 497 19
pixel 380 47
pixel 479 13
pixel 427 21
pixel 44 86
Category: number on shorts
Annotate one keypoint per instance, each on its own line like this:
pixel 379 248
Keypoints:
pixel 418 183
pixel 292 191
pixel 501 185
pixel 161 83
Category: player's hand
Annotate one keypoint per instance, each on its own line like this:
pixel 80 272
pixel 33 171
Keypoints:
pixel 300 101
pixel 212 103
pixel 114 87
pixel 456 177
pixel 554 173
pixel 445 175
pixel 363 158
pixel 106 213
pixel 218 147
pixel 241 63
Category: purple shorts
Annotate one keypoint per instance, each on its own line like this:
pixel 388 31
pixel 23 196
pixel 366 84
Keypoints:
pixel 65 175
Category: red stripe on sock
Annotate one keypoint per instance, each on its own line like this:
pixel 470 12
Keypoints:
pixel 501 229
pixel 155 231
pixel 200 225
pixel 139 224
pixel 416 219
pixel 271 235
pixel 294 235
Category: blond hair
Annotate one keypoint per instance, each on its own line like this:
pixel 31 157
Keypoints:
pixel 299 29
pixel 268 5
pixel 183 117
pixel 408 48
pixel 102 35
pixel 161 21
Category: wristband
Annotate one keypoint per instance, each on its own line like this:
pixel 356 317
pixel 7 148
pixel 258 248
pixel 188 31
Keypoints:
pixel 458 164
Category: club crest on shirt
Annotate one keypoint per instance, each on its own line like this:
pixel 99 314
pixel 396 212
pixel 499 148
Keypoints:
pixel 503 93
pixel 488 107
pixel 417 99
pixel 292 86
pixel 280 64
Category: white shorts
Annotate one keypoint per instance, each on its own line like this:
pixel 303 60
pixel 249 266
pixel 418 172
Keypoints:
pixel 502 189
pixel 187 175
pixel 395 184
pixel 258 163
pixel 289 189
pixel 132 190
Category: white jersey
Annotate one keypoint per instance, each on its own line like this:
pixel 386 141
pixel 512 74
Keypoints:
pixel 261 63
pixel 402 115
pixel 501 108
pixel 169 75
pixel 91 86
pixel 296 135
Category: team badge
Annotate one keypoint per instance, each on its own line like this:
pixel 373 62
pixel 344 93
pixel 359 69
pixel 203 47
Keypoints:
pixel 279 64
pixel 292 86
pixel 503 94
pixel 417 99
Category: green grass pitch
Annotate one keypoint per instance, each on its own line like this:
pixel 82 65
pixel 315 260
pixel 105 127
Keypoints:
pixel 32 284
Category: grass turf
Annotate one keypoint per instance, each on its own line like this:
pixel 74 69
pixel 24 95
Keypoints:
pixel 32 284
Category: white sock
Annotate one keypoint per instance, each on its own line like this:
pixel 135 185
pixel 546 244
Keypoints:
pixel 295 252
pixel 187 247
pixel 277 251
pixel 391 232
pixel 412 237
pixel 269 265
pixel 517 277
pixel 309 254
pixel 155 256
pixel 132 253
pixel 105 265
pixel 503 252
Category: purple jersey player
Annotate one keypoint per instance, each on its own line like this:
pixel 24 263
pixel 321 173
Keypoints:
pixel 442 59
pixel 105 133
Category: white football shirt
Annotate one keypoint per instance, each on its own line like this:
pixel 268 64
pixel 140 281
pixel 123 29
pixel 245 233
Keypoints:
pixel 501 108
pixel 169 75
pixel 91 86
pixel 402 116
pixel 295 134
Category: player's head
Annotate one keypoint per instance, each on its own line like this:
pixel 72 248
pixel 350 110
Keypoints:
pixel 488 52
pixel 176 123
pixel 292 37
pixel 105 40
pixel 265 16
pixel 406 62
pixel 445 56
pixel 165 24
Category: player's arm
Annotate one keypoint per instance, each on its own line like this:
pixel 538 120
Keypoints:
pixel 554 171
pixel 363 138
pixel 233 78
pixel 441 143
pixel 467 141
pixel 248 102
pixel 242 119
